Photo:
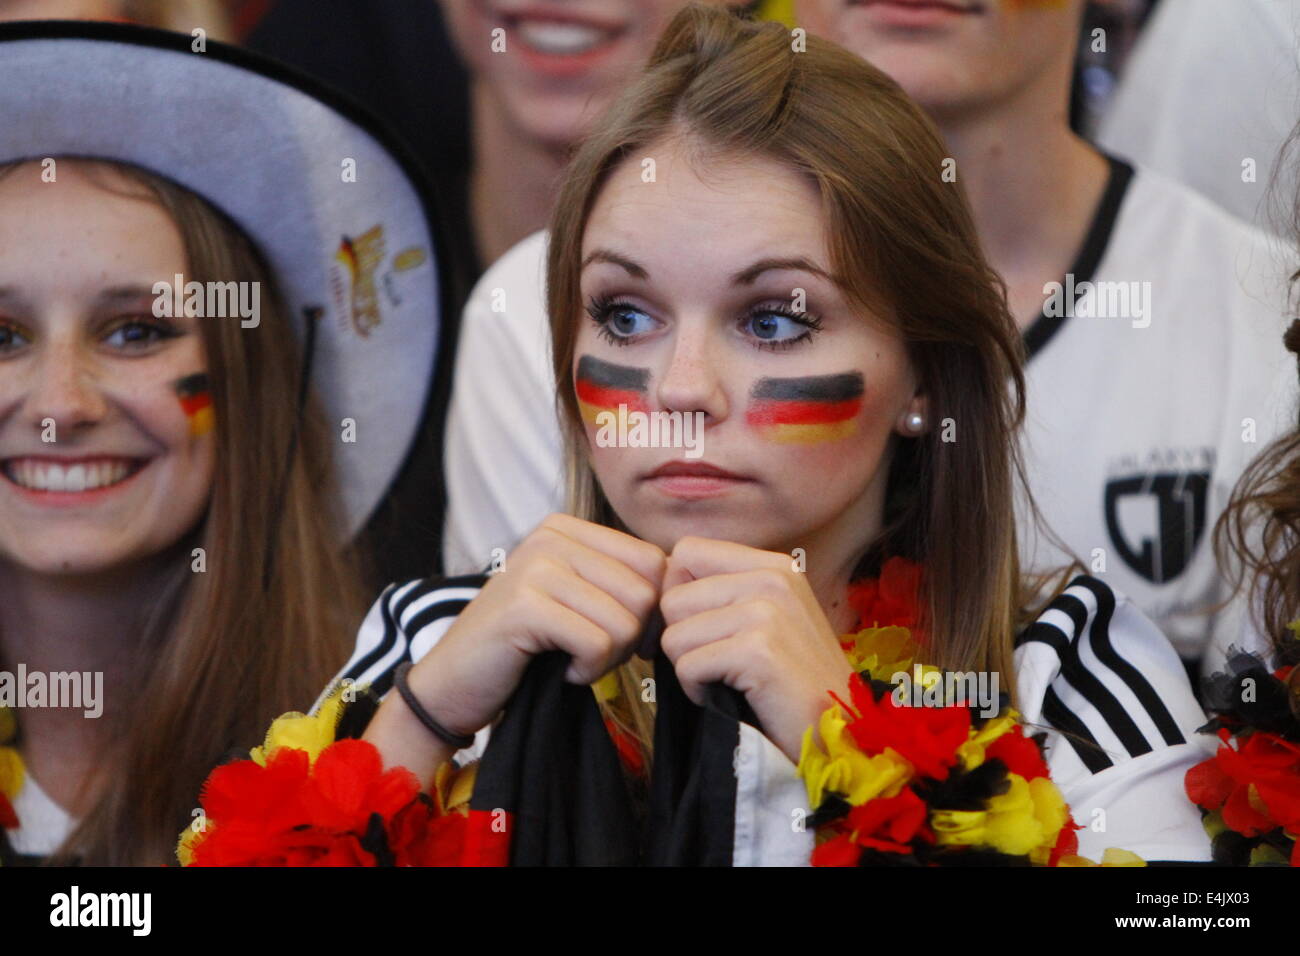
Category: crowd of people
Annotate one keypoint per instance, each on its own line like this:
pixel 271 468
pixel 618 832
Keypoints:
pixel 689 390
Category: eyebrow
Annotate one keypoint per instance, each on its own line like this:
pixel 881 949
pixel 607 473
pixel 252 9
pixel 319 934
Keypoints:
pixel 124 293
pixel 114 295
pixel 745 276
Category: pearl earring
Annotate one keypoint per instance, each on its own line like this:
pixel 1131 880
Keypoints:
pixel 915 422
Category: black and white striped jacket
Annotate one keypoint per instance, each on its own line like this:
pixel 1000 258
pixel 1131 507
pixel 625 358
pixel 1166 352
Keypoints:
pixel 1092 671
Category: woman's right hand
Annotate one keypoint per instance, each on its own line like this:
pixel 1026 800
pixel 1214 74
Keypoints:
pixel 571 586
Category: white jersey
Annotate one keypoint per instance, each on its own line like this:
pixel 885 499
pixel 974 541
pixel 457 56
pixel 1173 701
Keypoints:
pixel 1208 97
pixel 1138 424
pixel 1091 672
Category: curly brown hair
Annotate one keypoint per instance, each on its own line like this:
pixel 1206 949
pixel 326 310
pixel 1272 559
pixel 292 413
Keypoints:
pixel 1258 534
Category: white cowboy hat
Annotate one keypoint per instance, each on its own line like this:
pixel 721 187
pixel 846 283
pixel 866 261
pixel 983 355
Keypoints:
pixel 335 203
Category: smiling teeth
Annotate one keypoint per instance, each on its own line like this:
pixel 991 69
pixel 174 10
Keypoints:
pixel 561 39
pixel 48 476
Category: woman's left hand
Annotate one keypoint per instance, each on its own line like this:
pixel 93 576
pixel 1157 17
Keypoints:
pixel 745 617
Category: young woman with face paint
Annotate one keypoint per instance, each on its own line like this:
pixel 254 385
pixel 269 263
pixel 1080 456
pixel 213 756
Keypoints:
pixel 173 517
pixel 125 445
pixel 762 239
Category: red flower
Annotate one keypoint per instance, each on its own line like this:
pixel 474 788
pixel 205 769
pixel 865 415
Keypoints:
pixel 8 817
pixel 893 599
pixel 1067 843
pixel 289 813
pixel 927 737
pixel 420 836
pixel 838 851
pixel 1019 753
pixel 349 784
pixel 886 824
pixel 889 823
pixel 1263 761
pixel 628 749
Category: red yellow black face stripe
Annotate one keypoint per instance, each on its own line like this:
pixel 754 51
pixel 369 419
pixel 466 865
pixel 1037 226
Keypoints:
pixel 196 401
pixel 814 408
pixel 604 386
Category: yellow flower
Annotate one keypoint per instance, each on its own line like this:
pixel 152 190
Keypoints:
pixel 607 688
pixel 884 651
pixel 972 751
pixel 312 733
pixel 11 772
pixel 453 787
pixel 1265 855
pixel 189 839
pixel 1113 856
pixel 844 769
pixel 1213 823
pixel 1028 817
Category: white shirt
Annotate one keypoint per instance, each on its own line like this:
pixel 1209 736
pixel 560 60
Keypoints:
pixel 1150 417
pixel 1091 665
pixel 43 825
pixel 1137 428
pixel 1211 85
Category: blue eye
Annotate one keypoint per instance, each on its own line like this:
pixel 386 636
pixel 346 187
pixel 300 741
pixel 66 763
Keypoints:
pixel 619 322
pixel 780 328
pixel 774 326
pixel 11 339
pixel 137 334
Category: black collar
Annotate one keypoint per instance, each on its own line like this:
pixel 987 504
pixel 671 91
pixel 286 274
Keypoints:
pixel 1094 247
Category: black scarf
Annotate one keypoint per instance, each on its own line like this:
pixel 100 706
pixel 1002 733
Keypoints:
pixel 550 763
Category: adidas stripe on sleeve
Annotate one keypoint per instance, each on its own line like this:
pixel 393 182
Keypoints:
pixel 404 624
pixel 1122 722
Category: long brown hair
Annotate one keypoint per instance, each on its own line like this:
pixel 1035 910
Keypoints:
pixel 904 240
pixel 227 650
pixel 1257 538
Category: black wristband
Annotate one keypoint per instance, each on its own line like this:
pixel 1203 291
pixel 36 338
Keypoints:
pixel 459 741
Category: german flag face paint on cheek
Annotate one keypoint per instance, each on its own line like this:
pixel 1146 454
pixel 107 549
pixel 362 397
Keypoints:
pixel 604 386
pixel 816 408
pixel 196 401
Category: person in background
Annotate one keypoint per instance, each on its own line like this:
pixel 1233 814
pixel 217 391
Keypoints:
pixel 1149 317
pixel 179 15
pixel 176 489
pixel 1131 456
pixel 494 118
pixel 1246 791
pixel 1208 98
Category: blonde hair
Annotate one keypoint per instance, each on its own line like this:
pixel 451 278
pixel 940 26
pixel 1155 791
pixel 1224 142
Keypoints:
pixel 226 651
pixel 904 242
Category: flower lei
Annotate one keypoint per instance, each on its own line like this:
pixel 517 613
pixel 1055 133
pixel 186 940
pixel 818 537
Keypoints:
pixel 928 785
pixel 11 768
pixel 306 799
pixel 900 785
pixel 1249 791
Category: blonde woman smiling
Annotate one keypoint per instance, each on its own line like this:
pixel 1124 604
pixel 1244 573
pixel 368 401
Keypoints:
pixel 168 518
